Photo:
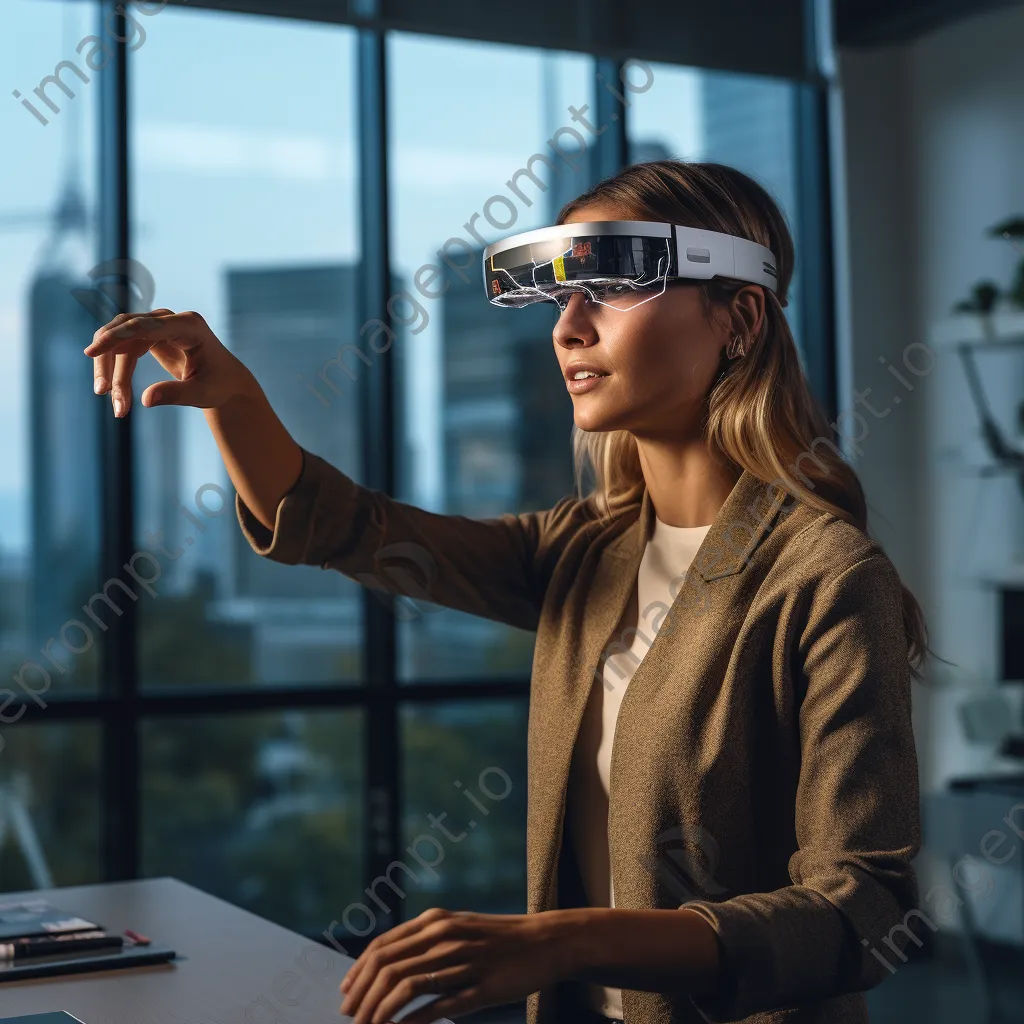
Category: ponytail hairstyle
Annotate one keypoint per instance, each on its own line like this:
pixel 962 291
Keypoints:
pixel 761 414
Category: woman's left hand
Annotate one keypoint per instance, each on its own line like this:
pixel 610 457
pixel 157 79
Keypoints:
pixel 478 960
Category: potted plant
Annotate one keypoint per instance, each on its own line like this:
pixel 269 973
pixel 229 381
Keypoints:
pixel 985 295
pixel 982 301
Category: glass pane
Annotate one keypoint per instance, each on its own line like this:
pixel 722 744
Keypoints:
pixel 746 121
pixel 264 810
pixel 464 785
pixel 245 210
pixel 49 474
pixel 485 415
pixel 49 805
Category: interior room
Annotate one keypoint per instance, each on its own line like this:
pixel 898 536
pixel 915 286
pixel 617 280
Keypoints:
pixel 306 590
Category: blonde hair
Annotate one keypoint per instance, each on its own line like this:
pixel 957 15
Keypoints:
pixel 761 414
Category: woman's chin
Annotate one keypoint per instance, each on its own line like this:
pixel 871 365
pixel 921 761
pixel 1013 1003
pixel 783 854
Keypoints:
pixel 593 420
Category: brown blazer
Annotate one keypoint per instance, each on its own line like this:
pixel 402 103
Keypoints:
pixel 766 734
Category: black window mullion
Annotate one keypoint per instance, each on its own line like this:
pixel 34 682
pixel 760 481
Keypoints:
pixel 382 795
pixel 814 236
pixel 610 151
pixel 814 241
pixel 177 702
pixel 118 679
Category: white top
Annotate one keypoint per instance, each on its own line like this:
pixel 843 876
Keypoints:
pixel 668 555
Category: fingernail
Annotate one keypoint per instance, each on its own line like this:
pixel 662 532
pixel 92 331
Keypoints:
pixel 118 406
pixel 99 385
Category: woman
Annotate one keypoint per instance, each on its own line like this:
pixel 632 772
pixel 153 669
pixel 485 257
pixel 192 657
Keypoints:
pixel 746 841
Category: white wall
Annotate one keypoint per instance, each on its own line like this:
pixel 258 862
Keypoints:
pixel 933 134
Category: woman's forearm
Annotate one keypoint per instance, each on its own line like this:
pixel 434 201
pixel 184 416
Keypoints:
pixel 262 458
pixel 649 950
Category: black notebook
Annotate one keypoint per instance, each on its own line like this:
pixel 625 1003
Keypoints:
pixel 79 963
pixel 36 917
pixel 31 917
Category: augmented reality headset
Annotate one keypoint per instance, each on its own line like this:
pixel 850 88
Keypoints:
pixel 617 263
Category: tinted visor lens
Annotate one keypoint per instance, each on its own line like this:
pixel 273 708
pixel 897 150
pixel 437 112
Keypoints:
pixel 616 270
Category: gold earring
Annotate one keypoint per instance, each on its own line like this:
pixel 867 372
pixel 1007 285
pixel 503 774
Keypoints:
pixel 735 347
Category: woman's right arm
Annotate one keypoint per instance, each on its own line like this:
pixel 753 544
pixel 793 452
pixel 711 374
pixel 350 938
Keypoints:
pixel 296 508
pixel 261 457
pixel 496 568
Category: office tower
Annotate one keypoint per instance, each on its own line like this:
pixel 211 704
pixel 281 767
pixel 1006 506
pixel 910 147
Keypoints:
pixel 507 415
pixel 749 123
pixel 506 428
pixel 575 173
pixel 283 323
pixel 566 182
pixel 298 330
pixel 14 606
pixel 63 429
pixel 545 423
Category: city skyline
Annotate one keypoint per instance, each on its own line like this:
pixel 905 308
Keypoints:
pixel 270 189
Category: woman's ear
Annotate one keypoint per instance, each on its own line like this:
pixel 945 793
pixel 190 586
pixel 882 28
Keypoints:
pixel 724 322
pixel 748 309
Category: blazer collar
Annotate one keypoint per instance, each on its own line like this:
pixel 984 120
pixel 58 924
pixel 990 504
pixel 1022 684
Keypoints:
pixel 744 519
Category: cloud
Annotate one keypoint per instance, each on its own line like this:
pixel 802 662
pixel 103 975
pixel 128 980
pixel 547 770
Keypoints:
pixel 223 151
pixel 226 151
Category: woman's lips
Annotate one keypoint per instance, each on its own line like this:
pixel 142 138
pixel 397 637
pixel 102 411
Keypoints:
pixel 579 387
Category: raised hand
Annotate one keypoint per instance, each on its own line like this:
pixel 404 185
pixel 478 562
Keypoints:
pixel 205 373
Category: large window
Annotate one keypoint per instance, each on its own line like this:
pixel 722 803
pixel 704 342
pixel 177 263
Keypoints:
pixel 263 809
pixel 49 472
pixel 244 210
pixel 486 418
pixel 278 735
pixel 465 767
pixel 49 485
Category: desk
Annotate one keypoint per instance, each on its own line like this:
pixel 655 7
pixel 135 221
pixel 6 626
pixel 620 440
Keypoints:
pixel 232 967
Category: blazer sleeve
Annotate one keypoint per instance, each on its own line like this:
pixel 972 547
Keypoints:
pixel 495 568
pixel 857 815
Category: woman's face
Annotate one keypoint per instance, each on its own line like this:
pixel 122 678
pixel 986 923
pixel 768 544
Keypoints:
pixel 658 360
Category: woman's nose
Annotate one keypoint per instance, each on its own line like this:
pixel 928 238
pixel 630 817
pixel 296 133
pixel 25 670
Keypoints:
pixel 574 323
